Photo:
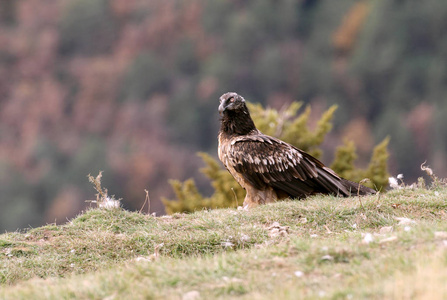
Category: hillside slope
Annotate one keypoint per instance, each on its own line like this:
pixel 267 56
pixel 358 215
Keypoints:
pixel 388 246
pixel 121 85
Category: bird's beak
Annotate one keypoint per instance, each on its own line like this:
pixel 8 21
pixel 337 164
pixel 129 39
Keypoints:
pixel 221 107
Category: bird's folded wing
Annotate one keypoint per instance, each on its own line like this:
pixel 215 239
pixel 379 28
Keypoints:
pixel 266 161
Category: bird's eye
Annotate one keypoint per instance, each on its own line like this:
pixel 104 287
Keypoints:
pixel 231 100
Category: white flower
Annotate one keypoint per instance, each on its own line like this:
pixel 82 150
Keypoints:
pixel 191 295
pixel 441 234
pixel 298 273
pixel 8 252
pixel 109 203
pixel 327 257
pixel 427 170
pixel 244 238
pixel 400 176
pixel 368 238
pixel 388 239
pixel 393 183
pixel 386 229
pixel 227 244
pixel 404 221
pixel 142 258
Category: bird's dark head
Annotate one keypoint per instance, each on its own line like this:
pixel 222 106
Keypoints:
pixel 231 102
pixel 235 117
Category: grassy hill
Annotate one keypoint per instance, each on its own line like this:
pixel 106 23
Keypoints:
pixel 392 245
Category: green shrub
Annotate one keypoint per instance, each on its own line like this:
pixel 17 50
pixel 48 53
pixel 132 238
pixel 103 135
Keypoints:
pixel 376 172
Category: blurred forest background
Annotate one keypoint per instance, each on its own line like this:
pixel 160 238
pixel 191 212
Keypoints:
pixel 131 87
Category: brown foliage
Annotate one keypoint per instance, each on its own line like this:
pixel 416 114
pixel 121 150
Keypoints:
pixel 50 97
pixel 345 36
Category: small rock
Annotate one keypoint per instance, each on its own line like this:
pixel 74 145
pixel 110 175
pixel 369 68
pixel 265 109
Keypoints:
pixel 227 244
pixel 191 295
pixel 327 257
pixel 111 297
pixel 277 230
pixel 299 274
pixel 441 234
pixel 368 238
pixel 405 221
pixel 386 229
pixel 274 225
pixel 244 238
pixel 232 279
pixel 8 252
pixel 142 258
pixel 274 231
pixel 387 240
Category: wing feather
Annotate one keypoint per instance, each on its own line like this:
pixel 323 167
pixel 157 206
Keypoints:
pixel 266 161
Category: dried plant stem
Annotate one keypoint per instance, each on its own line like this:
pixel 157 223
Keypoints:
pixel 148 201
pixel 102 198
pixel 358 190
pixel 97 184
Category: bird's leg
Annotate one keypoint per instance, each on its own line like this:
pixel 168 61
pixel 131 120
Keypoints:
pixel 255 197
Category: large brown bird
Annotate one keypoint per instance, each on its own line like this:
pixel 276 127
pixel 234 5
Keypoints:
pixel 268 168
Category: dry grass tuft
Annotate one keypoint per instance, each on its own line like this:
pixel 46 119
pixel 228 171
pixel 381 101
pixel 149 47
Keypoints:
pixel 103 200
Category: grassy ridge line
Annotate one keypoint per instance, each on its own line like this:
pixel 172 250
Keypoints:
pixel 319 226
pixel 357 269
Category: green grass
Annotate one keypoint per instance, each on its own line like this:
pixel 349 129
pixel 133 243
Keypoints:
pixel 319 250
